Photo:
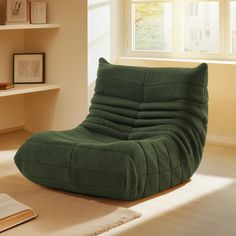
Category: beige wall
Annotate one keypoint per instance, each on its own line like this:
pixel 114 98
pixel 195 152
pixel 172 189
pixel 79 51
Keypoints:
pixel 66 61
pixel 11 112
pixel 222 95
pixel 12 108
pixel 66 65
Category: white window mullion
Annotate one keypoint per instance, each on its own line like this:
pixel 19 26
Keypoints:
pixel 128 28
pixel 231 28
pixel 176 27
pixel 177 38
pixel 224 28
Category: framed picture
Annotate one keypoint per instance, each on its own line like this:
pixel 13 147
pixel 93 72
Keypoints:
pixel 17 11
pixel 28 68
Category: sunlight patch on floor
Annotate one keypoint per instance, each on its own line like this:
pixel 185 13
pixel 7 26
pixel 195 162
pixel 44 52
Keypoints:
pixel 7 156
pixel 6 160
pixel 200 186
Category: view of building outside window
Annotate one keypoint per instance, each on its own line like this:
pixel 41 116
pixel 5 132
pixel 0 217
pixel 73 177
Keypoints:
pixel 233 26
pixel 151 25
pixel 201 26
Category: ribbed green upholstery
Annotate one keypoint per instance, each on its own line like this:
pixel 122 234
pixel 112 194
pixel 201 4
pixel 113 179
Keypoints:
pixel 145 133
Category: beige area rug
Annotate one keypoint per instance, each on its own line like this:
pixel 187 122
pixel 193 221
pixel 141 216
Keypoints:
pixel 60 213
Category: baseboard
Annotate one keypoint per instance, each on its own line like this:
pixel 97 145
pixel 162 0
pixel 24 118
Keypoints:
pixel 222 141
pixel 9 130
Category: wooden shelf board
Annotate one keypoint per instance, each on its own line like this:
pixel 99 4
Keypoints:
pixel 29 26
pixel 28 88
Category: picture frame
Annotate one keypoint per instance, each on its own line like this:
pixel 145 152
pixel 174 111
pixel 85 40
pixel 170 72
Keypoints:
pixel 17 12
pixel 28 68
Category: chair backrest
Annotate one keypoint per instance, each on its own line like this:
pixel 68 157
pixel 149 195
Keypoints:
pixel 140 102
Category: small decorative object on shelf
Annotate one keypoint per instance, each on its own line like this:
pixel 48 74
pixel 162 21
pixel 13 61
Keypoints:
pixel 17 12
pixel 38 12
pixel 4 86
pixel 28 68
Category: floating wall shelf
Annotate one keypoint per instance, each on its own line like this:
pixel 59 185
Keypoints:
pixel 29 26
pixel 28 88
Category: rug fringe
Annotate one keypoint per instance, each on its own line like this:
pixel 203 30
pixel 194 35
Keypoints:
pixel 123 220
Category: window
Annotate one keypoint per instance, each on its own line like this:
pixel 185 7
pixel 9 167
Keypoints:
pixel 152 25
pixel 201 26
pixel 182 28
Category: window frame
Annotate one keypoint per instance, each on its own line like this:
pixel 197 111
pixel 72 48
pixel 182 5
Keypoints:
pixel 177 38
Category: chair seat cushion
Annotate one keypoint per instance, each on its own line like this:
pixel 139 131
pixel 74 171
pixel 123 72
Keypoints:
pixel 77 161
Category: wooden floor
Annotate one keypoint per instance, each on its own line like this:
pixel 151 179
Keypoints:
pixel 206 205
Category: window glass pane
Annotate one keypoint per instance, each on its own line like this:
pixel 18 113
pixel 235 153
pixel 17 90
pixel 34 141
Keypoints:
pixel 201 26
pixel 233 26
pixel 151 25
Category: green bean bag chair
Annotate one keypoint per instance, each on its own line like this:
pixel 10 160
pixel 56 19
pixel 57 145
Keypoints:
pixel 145 133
